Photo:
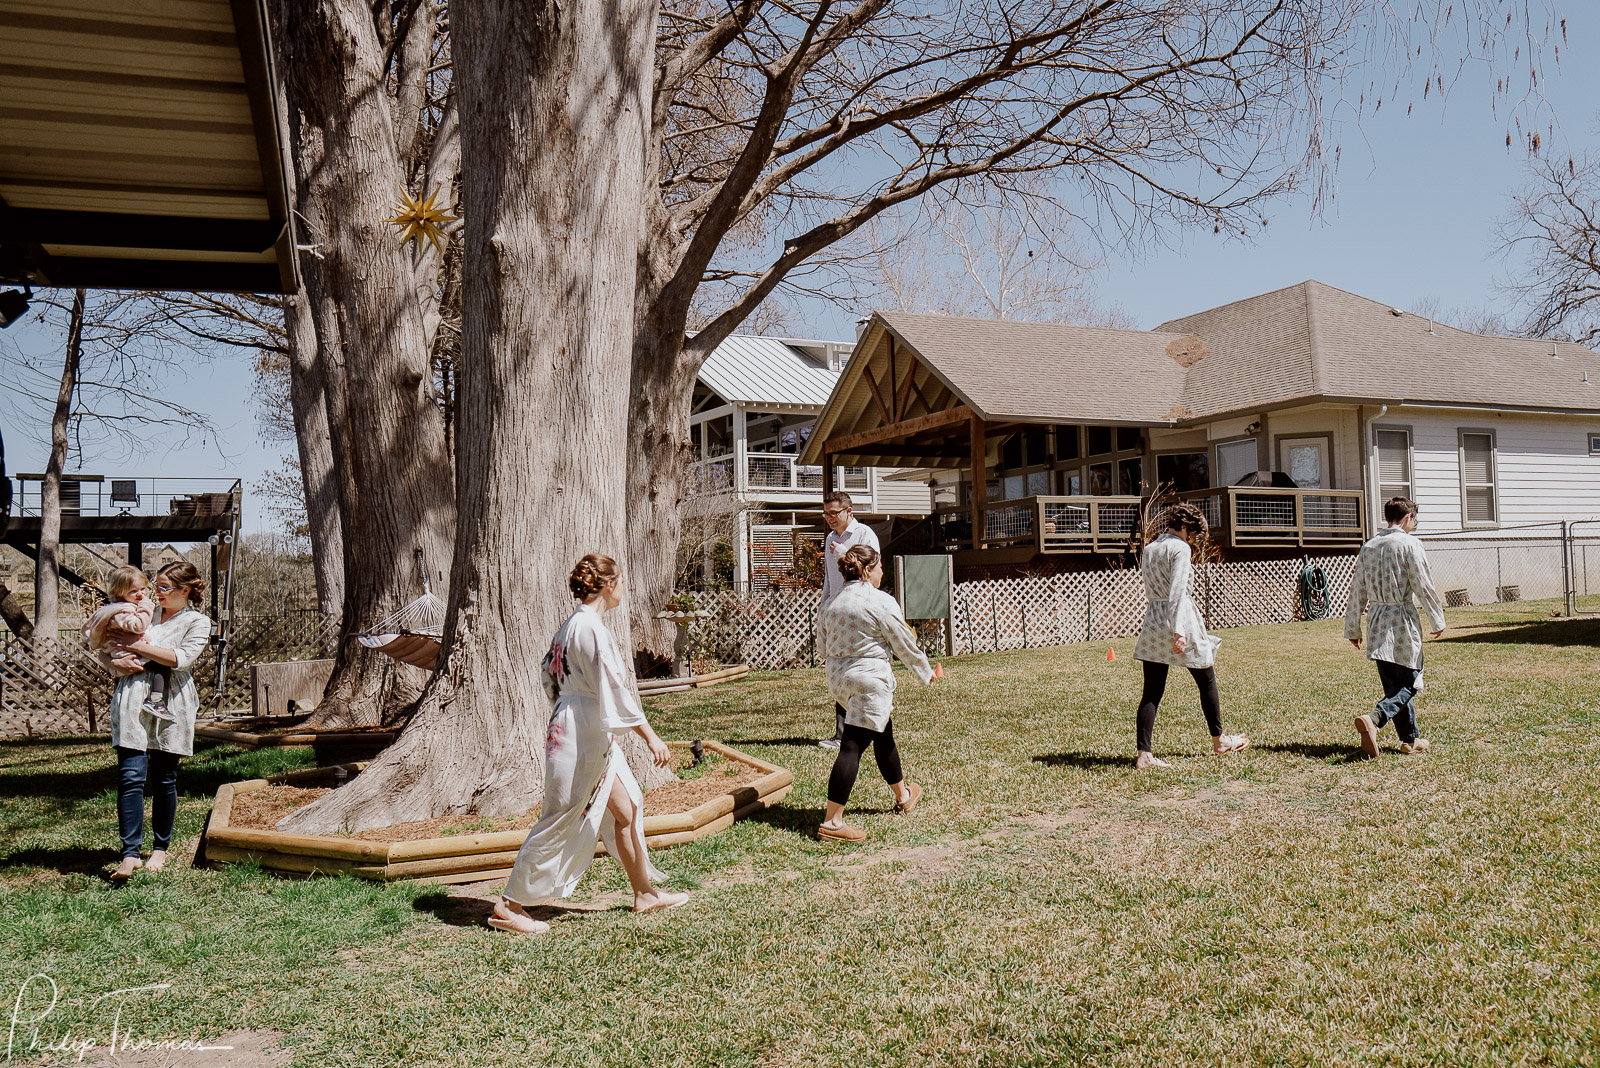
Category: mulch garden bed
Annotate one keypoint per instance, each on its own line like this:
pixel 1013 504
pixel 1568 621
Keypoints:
pixel 717 775
pixel 728 785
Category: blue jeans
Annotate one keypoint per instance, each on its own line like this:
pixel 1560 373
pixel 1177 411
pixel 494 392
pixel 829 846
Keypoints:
pixel 1399 689
pixel 139 773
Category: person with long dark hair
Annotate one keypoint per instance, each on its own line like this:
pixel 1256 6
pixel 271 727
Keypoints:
pixel 1174 634
pixel 859 632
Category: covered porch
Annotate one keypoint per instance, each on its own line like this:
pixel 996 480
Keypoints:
pixel 1051 472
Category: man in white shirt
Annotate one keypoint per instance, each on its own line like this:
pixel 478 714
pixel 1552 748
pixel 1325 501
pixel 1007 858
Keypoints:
pixel 845 532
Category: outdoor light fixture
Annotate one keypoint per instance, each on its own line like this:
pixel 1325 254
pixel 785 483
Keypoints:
pixel 14 305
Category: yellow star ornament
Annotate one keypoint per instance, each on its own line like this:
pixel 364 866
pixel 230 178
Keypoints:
pixel 419 217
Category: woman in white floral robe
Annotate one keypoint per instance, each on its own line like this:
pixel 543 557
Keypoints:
pixel 148 746
pixel 589 792
pixel 1174 634
pixel 859 632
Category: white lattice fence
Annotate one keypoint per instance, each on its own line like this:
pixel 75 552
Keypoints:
pixel 775 628
pixel 60 691
pixel 770 629
pixel 69 693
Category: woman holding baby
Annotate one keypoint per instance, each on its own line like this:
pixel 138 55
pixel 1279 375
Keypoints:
pixel 151 730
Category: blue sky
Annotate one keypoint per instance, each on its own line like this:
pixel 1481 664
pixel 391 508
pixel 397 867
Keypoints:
pixel 1417 198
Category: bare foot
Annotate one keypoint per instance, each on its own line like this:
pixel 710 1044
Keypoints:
pixel 126 869
pixel 1146 761
pixel 157 861
pixel 510 916
pixel 656 900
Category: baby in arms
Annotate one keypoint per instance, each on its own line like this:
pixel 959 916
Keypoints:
pixel 130 609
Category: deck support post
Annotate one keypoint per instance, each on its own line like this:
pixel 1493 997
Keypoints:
pixel 980 478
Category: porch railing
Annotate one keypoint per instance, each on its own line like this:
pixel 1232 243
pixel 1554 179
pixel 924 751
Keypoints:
pixel 774 471
pixel 1049 524
pixel 101 495
pixel 1243 516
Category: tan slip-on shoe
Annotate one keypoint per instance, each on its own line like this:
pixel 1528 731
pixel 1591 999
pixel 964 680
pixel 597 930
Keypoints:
pixel 903 807
pixel 842 833
pixel 1412 748
pixel 1369 735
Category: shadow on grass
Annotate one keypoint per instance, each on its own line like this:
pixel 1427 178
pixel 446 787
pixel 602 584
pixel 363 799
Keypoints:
pixel 791 818
pixel 1577 631
pixel 462 911
pixel 60 739
pixel 804 743
pixel 1333 754
pixel 79 860
pixel 1088 761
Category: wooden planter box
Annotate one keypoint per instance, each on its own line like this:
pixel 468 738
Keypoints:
pixel 373 740
pixel 466 858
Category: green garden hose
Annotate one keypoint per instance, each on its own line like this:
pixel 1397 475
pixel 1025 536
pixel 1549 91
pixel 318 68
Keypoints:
pixel 1313 591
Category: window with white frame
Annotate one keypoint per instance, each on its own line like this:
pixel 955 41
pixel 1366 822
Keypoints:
pixel 1394 463
pixel 1594 444
pixel 1478 499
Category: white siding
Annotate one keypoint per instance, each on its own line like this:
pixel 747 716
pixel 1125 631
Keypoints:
pixel 899 498
pixel 1542 464
pixel 1342 426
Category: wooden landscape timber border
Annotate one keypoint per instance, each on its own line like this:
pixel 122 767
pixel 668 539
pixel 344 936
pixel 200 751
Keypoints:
pixel 651 687
pixel 466 858
pixel 253 740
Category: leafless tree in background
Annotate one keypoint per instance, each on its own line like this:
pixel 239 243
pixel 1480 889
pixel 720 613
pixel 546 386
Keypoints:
pixel 779 129
pixel 116 383
pixel 1555 228
pixel 765 133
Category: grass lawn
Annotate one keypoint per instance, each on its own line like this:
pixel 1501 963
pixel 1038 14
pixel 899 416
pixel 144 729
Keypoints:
pixel 1045 904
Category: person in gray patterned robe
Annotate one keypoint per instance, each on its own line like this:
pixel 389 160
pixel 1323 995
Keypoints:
pixel 1391 576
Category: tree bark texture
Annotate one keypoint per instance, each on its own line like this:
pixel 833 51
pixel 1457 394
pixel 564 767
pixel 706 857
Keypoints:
pixel 47 572
pixel 553 110
pixel 308 401
pixel 390 468
pixel 661 393
pixel 16 619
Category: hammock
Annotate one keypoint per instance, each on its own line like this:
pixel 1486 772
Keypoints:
pixel 414 634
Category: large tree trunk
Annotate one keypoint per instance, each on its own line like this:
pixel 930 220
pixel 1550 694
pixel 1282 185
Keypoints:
pixel 553 106
pixel 47 573
pixel 387 439
pixel 307 398
pixel 661 392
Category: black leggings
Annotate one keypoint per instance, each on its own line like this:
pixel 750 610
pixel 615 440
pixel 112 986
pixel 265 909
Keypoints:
pixel 1155 684
pixel 848 763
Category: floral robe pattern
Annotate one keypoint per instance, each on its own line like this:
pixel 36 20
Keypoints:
pixel 1391 575
pixel 1167 570
pixel 859 632
pixel 186 633
pixel 583 674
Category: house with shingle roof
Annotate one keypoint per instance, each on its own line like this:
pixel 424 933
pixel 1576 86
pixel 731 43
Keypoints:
pixel 755 402
pixel 1289 417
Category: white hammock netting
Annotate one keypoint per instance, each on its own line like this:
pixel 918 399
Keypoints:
pixel 413 634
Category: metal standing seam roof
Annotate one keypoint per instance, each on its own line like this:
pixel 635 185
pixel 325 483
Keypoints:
pixel 745 369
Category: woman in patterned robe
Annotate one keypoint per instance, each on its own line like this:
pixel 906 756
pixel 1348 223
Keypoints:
pixel 589 793
pixel 859 632
pixel 1174 634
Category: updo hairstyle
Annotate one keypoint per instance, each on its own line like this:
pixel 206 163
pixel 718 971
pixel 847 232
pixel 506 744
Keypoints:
pixel 183 574
pixel 855 563
pixel 1186 517
pixel 590 575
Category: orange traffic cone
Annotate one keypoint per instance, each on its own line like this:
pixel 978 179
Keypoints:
pixel 938 671
pixel 1111 653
